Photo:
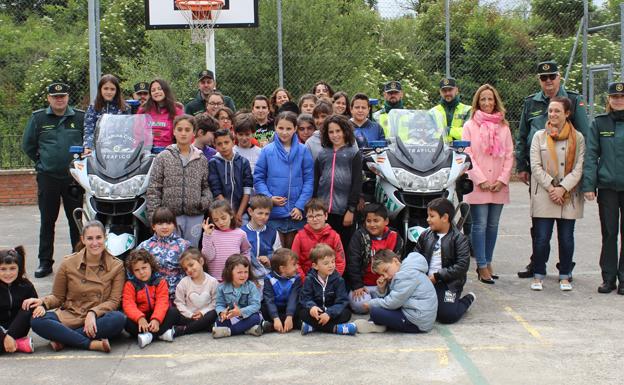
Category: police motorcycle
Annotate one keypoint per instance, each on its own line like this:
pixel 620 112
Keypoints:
pixel 412 167
pixel 115 177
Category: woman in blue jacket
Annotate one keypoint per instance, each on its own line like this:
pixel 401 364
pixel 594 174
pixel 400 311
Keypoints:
pixel 285 172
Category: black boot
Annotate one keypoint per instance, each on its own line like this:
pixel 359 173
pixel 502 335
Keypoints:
pixel 527 273
pixel 606 287
pixel 44 269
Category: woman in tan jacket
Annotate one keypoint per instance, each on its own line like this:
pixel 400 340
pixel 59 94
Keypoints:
pixel 85 297
pixel 557 154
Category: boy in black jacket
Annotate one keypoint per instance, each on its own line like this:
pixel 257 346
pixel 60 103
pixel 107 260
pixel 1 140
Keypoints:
pixel 281 293
pixel 366 241
pixel 324 297
pixel 447 252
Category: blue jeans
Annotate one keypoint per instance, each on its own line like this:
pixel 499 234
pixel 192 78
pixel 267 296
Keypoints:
pixel 49 327
pixel 543 228
pixel 392 319
pixel 242 325
pixel 484 231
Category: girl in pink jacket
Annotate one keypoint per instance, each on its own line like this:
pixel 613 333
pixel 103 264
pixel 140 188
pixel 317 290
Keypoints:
pixel 162 107
pixel 491 153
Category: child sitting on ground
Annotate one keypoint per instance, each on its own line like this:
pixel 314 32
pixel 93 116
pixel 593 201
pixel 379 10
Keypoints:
pixel 447 252
pixel 281 293
pixel 324 300
pixel 238 300
pixel 366 241
pixel 262 238
pixel 146 297
pixel 196 295
pixel 314 232
pixel 407 299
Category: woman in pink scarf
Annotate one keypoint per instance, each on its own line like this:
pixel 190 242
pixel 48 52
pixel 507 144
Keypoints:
pixel 491 153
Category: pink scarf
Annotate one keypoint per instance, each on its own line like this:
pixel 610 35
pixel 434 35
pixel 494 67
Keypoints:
pixel 489 125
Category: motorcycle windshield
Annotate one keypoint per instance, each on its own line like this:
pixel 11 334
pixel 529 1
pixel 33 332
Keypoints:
pixel 120 143
pixel 417 139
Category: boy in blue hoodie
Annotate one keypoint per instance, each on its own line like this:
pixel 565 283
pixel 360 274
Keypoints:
pixel 262 238
pixel 281 293
pixel 407 300
pixel 324 299
pixel 230 174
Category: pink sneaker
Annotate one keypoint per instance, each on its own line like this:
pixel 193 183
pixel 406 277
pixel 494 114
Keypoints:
pixel 24 345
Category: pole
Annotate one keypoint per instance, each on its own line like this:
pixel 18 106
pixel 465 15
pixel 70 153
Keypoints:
pixel 621 41
pixel 280 54
pixel 574 47
pixel 585 27
pixel 210 53
pixel 447 12
pixel 95 65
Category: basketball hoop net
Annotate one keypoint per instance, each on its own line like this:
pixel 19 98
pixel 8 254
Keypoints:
pixel 201 16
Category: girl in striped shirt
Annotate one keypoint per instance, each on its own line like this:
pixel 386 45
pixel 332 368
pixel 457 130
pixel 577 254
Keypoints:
pixel 221 238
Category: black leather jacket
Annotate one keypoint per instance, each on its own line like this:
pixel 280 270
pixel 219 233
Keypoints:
pixel 455 256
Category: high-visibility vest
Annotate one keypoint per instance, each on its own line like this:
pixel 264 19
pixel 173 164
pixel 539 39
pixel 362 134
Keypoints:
pixel 381 117
pixel 460 116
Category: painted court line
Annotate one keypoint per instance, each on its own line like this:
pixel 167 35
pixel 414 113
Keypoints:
pixel 460 355
pixel 532 331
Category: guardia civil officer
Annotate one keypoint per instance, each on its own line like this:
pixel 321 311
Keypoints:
pixel 450 112
pixel 393 98
pixel 602 171
pixel 47 138
pixel 534 117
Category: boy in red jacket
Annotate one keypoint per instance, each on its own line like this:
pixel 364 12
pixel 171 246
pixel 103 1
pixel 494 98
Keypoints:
pixel 146 297
pixel 314 232
pixel 366 241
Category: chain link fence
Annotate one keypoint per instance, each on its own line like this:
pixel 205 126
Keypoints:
pixel 354 45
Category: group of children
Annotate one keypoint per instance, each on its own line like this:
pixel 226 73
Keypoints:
pixel 240 283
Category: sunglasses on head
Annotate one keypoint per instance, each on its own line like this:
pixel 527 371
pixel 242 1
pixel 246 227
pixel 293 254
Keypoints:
pixel 549 76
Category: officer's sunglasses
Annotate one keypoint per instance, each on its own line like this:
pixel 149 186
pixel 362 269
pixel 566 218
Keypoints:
pixel 546 77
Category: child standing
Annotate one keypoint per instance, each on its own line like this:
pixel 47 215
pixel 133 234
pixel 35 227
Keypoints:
pixel 407 300
pixel 365 129
pixel 263 239
pixel 230 175
pixel 204 137
pixel 244 127
pixel 285 172
pixel 314 232
pixel 264 125
pixel 338 175
pixel 324 300
pixel 307 103
pixel 238 300
pixel 321 111
pixel 146 296
pixel 14 289
pixel 305 127
pixel 222 238
pixel 447 252
pixel 163 108
pixel 166 247
pixel 196 295
pixel 281 292
pixel 179 181
pixel 108 100
pixel 365 243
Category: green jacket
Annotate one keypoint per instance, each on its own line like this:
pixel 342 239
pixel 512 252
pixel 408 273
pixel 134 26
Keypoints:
pixel 604 155
pixel 534 117
pixel 198 105
pixel 47 139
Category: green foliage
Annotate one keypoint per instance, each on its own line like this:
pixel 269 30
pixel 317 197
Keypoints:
pixel 559 17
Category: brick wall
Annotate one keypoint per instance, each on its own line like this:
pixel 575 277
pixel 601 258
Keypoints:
pixel 18 187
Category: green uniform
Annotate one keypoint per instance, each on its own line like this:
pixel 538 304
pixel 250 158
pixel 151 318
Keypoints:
pixel 458 115
pixel 534 117
pixel 604 154
pixel 47 139
pixel 198 105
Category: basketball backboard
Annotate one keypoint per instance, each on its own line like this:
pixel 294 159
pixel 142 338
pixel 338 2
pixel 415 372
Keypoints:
pixel 163 14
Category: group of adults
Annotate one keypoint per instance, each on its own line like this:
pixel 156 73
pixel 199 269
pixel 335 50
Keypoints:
pixel 567 163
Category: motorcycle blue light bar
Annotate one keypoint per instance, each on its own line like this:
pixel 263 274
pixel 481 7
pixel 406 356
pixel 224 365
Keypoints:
pixel 377 143
pixel 133 103
pixel 76 149
pixel 460 144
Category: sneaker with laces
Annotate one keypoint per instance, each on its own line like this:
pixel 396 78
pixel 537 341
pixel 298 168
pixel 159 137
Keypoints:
pixel 364 326
pixel 537 286
pixel 565 286
pixel 348 328
pixel 144 339
pixel 221 331
pixel 24 345
pixel 306 328
pixel 168 335
pixel 255 330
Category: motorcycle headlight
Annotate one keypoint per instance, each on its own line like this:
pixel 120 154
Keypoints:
pixel 416 183
pixel 125 189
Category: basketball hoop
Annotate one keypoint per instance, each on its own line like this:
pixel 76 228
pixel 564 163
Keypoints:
pixel 201 16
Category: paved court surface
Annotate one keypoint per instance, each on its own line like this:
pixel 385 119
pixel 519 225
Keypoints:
pixel 510 336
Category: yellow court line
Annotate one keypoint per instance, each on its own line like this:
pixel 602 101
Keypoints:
pixel 532 331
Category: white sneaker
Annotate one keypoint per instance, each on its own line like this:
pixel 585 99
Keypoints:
pixel 255 330
pixel 144 339
pixel 221 331
pixel 537 286
pixel 167 336
pixel 565 286
pixel 364 326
